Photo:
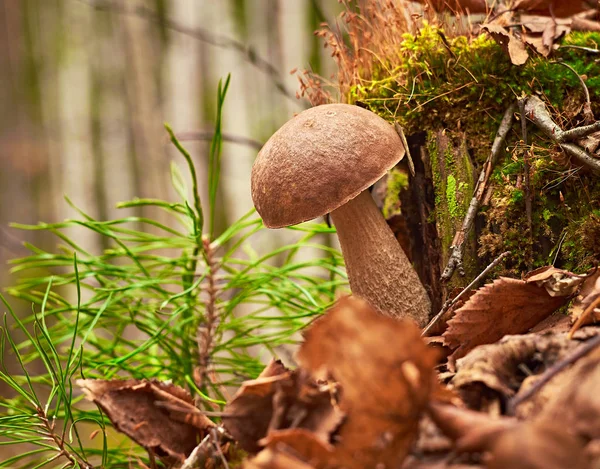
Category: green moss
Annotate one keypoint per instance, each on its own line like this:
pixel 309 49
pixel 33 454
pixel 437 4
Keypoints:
pixel 426 88
pixel 470 90
pixel 451 196
pixel 453 184
pixel 397 181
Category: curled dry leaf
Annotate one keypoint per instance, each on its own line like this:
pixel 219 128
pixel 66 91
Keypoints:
pixel 544 42
pixel 280 399
pixel 143 410
pixel 590 143
pixel 506 306
pixel 576 405
pixel 496 371
pixel 385 373
pixel 472 431
pixel 527 405
pixel 303 445
pixel 557 282
pixel 276 458
pixel 590 292
pixel 513 46
pixel 540 444
pixel 585 21
pixel 431 440
pixel 560 8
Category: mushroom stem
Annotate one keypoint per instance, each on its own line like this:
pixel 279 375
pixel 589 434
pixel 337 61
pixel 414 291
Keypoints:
pixel 378 269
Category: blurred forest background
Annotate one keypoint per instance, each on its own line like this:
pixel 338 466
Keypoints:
pixel 86 85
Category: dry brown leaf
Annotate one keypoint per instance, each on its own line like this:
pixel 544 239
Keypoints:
pixel 274 368
pixel 537 403
pixel 472 431
pixel 458 6
pixel 506 39
pixel 592 451
pixel 590 143
pixel 557 282
pixel 576 404
pixel 557 322
pixel 304 444
pixel 580 23
pixel 538 445
pixel 385 372
pixel 544 41
pixel 431 440
pixel 495 371
pixel 143 411
pixel 275 458
pixel 445 461
pixel 537 42
pixel 438 343
pixel 249 413
pixel 280 399
pixel 560 8
pixel 442 323
pixel 506 306
pixel 590 291
pixel 293 449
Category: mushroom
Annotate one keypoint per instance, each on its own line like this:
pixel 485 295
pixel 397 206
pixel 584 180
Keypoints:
pixel 323 161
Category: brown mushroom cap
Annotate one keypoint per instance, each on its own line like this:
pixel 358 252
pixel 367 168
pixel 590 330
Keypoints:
pixel 319 160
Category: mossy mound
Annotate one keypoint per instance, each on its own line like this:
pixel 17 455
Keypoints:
pixel 462 87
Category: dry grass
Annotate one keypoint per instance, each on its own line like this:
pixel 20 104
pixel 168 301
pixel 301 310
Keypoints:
pixel 366 37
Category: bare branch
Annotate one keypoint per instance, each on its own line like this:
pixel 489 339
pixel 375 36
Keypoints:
pixel 452 302
pixel 580 132
pixel 208 135
pixel 581 156
pixel 537 112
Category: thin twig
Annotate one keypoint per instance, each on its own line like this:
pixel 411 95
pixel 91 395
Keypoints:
pixel 217 445
pixel 590 50
pixel 208 135
pixel 528 208
pixel 152 459
pixel 465 290
pixel 587 107
pixel 198 456
pixel 578 353
pixel 588 311
pixel 74 459
pixel 201 34
pixel 455 259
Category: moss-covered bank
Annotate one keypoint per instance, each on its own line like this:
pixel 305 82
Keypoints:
pixel 456 91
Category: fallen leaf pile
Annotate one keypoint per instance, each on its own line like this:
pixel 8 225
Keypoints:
pixel 535 26
pixel 368 391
